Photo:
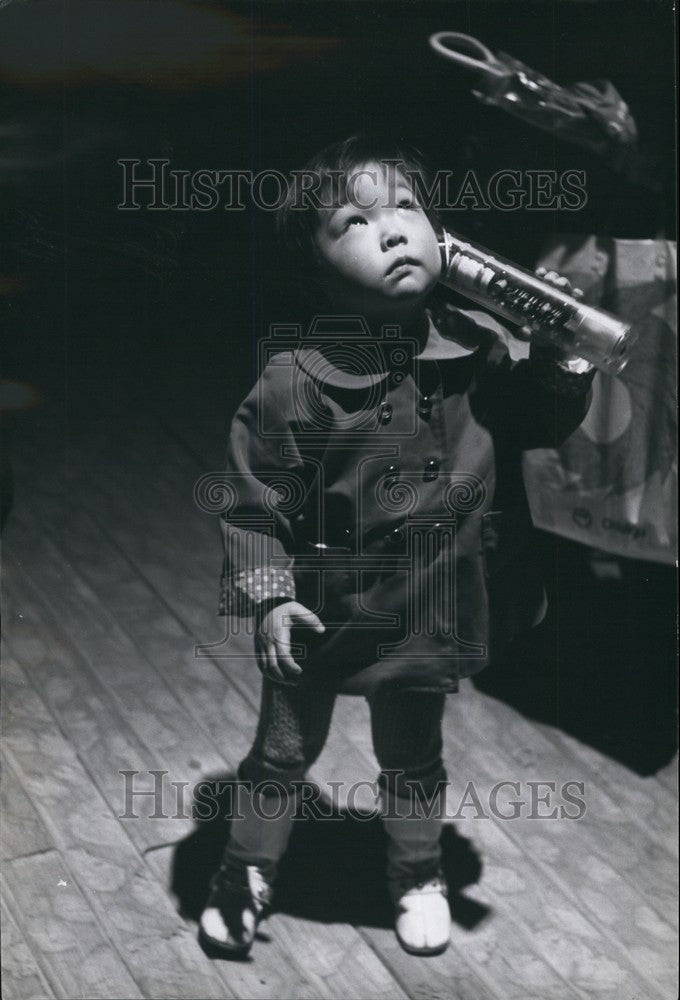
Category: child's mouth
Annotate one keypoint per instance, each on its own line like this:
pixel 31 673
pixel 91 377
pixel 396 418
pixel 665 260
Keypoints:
pixel 401 263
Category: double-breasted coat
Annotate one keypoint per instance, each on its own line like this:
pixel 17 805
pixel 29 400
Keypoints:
pixel 378 482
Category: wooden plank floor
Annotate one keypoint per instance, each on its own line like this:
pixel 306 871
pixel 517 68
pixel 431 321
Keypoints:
pixel 109 585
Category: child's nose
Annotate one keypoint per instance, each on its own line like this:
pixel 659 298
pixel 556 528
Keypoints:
pixel 393 237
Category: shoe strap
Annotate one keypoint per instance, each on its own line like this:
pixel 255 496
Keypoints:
pixel 247 882
pixel 433 884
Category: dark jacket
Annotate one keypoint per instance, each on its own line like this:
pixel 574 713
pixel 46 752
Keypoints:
pixel 380 485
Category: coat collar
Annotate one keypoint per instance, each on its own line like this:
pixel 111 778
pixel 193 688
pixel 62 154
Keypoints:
pixel 456 334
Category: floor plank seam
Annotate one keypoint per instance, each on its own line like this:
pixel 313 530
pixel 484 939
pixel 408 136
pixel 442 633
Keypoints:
pixel 84 893
pixel 25 856
pixel 568 746
pixel 61 847
pixel 43 600
pixel 171 611
pixel 49 993
pixel 91 513
pixel 83 763
pixel 559 741
pixel 43 966
pixel 44 816
pixel 80 754
pixel 565 891
pixel 161 847
pixel 596 850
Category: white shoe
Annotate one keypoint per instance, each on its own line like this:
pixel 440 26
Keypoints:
pixel 423 918
pixel 238 900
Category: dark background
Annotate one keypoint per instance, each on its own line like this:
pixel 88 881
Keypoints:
pixel 166 308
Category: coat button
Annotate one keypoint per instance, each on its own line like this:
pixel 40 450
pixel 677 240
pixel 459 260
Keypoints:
pixel 396 536
pixel 397 378
pixel 425 406
pixel 431 470
pixel 385 413
pixel 391 476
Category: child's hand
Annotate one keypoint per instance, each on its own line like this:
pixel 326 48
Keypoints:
pixel 559 281
pixel 272 640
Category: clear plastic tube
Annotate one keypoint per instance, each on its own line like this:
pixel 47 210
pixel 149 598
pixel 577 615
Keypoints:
pixel 521 297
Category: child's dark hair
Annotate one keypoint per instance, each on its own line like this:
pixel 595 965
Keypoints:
pixel 323 182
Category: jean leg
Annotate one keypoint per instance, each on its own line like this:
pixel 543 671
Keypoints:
pixel 291 733
pixel 407 739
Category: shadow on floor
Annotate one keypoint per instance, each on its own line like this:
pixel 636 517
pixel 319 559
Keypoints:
pixel 332 872
pixel 602 666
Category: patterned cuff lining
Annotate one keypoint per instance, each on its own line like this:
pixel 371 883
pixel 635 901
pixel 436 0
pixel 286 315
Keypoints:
pixel 240 594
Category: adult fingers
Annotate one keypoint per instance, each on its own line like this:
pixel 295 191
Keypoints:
pixel 559 280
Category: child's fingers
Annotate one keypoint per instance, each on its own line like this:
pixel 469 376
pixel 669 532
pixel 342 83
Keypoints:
pixel 310 619
pixel 273 668
pixel 285 661
pixel 268 662
pixel 260 656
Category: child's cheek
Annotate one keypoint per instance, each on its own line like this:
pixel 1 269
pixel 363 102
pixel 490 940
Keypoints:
pixel 434 261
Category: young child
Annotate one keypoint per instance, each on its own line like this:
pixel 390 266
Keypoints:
pixel 377 515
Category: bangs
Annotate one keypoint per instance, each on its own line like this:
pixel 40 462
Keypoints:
pixel 326 182
pixel 337 187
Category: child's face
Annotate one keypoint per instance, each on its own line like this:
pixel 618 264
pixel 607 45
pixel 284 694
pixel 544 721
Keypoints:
pixel 379 252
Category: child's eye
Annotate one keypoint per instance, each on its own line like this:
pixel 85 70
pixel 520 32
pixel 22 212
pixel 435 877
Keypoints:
pixel 407 203
pixel 354 220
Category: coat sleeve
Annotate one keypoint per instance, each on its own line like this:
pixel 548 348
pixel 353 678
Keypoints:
pixel 265 488
pixel 540 400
